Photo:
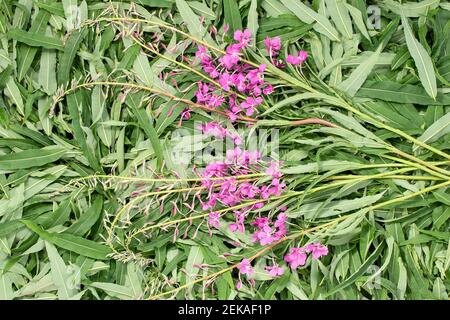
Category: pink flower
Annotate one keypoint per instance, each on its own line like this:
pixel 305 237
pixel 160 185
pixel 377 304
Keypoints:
pixel 296 257
pixel 275 270
pixel 273 45
pixel 202 94
pixel 298 59
pixel 202 55
pixel 250 104
pixel 256 76
pixel 215 101
pixel 317 249
pixel 239 285
pixel 245 267
pixel 274 170
pixel 260 222
pixel 231 57
pixel 264 236
pixel 214 129
pixel 243 37
pixel 303 55
pixel 225 81
pixel 268 89
pixel 213 220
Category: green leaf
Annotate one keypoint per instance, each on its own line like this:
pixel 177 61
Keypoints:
pixel 232 15
pixel 192 20
pixel 361 270
pixel 437 130
pixel 87 219
pixel 84 247
pixel 12 92
pixel 36 40
pixel 402 93
pixel 73 103
pixel 47 73
pixel 31 158
pixel 60 274
pixel 307 15
pixel 358 20
pixel 252 20
pixel 9 227
pixel 70 51
pixel 26 53
pixel 6 289
pixel 352 84
pixel 146 123
pixel 340 16
pixel 202 9
pixel 194 259
pixel 114 290
pixel 422 60
pixel 412 9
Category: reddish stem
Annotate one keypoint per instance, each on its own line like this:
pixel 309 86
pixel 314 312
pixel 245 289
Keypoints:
pixel 313 121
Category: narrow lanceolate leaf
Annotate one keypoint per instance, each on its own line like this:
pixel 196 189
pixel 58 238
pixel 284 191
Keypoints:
pixel 358 273
pixel 422 60
pixel 31 158
pixel 193 23
pixel 352 84
pixel 84 247
pixel 146 123
pixel 194 259
pixel 252 23
pixel 402 93
pixel 114 290
pixel 71 12
pixel 411 9
pixel 232 15
pixel 6 289
pixel 437 130
pixel 59 272
pixel 307 15
pixel 70 50
pixel 87 218
pixel 12 92
pixel 358 20
pixel 340 16
pixel 73 102
pixel 26 53
pixel 47 70
pixel 203 10
pixel 36 40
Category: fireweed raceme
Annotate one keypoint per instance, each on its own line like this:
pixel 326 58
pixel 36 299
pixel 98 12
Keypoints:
pixel 242 88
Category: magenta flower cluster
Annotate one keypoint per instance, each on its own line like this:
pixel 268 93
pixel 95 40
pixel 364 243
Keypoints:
pixel 297 59
pixel 226 190
pixel 234 76
pixel 268 232
pixel 297 256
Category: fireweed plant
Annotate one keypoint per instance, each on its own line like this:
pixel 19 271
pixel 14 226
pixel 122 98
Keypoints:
pixel 354 204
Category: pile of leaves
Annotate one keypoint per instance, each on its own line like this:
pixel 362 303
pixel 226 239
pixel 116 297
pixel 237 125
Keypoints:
pixel 93 204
